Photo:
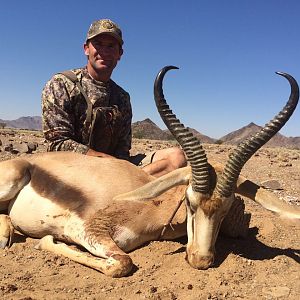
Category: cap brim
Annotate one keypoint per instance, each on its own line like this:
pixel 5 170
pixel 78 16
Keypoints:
pixel 117 37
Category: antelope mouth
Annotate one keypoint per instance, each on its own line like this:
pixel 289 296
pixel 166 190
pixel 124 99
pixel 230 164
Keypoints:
pixel 198 261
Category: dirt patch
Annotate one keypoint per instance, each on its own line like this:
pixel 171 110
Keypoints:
pixel 264 265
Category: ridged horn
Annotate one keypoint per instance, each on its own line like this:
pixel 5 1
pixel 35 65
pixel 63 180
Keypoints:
pixel 189 143
pixel 246 149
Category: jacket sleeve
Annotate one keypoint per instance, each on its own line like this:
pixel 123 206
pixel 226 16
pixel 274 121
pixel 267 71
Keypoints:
pixel 58 116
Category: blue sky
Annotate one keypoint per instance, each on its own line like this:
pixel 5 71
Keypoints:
pixel 227 52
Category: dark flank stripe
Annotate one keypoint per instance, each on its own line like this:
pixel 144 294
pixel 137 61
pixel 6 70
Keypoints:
pixel 55 189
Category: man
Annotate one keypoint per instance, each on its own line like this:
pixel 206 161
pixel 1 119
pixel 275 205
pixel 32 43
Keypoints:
pixel 86 111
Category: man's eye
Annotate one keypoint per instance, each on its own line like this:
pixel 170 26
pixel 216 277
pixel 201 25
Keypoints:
pixel 96 44
pixel 101 46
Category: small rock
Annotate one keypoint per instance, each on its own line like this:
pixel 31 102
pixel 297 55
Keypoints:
pixel 292 200
pixel 11 288
pixel 153 289
pixel 173 296
pixel 285 165
pixel 294 156
pixel 277 291
pixel 8 147
pixel 20 148
pixel 271 184
pixel 32 147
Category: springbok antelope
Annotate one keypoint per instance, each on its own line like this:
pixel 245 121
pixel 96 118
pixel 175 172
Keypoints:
pixel 109 206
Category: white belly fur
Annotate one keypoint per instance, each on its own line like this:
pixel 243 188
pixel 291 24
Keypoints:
pixel 37 216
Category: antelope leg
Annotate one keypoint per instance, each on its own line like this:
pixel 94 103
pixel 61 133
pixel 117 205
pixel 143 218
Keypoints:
pixel 115 266
pixel 14 175
pixel 6 231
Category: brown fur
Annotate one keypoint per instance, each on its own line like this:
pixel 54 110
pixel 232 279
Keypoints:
pixel 211 205
pixel 58 191
pixel 212 202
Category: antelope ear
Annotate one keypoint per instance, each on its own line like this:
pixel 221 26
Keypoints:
pixel 158 185
pixel 267 199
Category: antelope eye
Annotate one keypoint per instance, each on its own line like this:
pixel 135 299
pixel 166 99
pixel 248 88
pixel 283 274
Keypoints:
pixel 191 207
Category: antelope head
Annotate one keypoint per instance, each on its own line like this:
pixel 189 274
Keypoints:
pixel 210 192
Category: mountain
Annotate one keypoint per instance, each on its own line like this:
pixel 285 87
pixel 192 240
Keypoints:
pixel 279 140
pixel 147 129
pixel 34 123
pixel 202 138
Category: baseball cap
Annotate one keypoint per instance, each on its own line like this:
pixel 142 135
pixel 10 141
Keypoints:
pixel 105 26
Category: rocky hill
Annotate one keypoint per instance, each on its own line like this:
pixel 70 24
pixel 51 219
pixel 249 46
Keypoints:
pixel 147 129
pixel 33 123
pixel 278 140
pixel 203 138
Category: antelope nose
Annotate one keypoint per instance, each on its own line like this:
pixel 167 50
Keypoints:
pixel 200 262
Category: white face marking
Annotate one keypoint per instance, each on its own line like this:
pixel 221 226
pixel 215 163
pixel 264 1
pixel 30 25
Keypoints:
pixel 190 226
pixel 200 230
pixel 203 230
pixel 204 233
pixel 194 197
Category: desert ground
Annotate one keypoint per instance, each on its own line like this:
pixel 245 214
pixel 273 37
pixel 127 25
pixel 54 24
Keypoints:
pixel 263 265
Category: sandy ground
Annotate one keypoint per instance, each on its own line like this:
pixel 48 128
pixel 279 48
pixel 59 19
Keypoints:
pixel 264 265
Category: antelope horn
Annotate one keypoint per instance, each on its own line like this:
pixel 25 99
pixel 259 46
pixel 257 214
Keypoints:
pixel 189 143
pixel 246 149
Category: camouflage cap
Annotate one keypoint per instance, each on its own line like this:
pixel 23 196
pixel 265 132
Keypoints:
pixel 105 26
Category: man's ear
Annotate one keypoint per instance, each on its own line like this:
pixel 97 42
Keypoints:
pixel 86 49
pixel 121 53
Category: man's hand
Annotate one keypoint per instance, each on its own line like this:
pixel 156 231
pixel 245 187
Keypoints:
pixel 92 152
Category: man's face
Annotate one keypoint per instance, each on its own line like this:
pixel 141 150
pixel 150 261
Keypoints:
pixel 103 52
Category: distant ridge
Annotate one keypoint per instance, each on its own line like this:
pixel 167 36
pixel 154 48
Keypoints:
pixel 147 129
pixel 203 138
pixel 279 140
pixel 34 123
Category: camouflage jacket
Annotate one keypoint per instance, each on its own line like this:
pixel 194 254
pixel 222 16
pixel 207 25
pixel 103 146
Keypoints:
pixel 64 115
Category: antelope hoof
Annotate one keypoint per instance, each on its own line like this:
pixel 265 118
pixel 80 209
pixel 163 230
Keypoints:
pixel 200 262
pixel 6 231
pixel 118 265
pixel 44 243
